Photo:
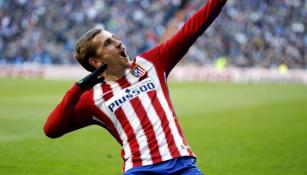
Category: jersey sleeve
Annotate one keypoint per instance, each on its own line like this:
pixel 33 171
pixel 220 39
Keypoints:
pixel 70 114
pixel 166 55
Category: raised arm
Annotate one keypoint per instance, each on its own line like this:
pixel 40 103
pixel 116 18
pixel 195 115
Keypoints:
pixel 168 54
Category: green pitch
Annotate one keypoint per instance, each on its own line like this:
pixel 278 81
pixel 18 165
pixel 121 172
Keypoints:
pixel 235 129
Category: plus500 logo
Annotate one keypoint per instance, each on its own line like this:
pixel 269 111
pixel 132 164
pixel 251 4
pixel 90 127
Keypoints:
pixel 130 94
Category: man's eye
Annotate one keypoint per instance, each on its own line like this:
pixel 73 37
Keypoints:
pixel 108 42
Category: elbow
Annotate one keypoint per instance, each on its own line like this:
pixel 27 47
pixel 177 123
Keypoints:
pixel 50 132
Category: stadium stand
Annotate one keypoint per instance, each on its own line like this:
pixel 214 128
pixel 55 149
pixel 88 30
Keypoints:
pixel 249 33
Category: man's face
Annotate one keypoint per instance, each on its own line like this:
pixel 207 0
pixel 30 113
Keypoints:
pixel 111 51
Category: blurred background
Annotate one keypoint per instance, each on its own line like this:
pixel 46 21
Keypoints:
pixel 249 33
pixel 251 120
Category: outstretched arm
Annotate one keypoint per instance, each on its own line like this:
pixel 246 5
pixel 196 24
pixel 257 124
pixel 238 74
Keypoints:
pixel 168 54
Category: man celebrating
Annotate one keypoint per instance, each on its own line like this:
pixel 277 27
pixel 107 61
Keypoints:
pixel 131 99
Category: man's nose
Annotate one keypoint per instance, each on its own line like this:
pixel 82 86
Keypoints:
pixel 118 43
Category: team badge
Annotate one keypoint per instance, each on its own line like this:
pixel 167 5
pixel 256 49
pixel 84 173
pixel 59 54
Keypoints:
pixel 138 71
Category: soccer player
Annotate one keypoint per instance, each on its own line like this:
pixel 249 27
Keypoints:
pixel 130 98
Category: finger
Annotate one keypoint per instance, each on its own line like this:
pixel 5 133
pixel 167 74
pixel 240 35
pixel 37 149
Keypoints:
pixel 99 80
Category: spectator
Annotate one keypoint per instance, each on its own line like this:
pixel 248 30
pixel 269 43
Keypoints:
pixel 250 34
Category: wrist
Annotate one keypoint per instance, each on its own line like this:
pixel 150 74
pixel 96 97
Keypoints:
pixel 76 88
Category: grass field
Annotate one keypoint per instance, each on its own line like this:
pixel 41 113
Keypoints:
pixel 235 129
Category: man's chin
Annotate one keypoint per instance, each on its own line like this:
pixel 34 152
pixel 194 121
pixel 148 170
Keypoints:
pixel 126 58
pixel 126 61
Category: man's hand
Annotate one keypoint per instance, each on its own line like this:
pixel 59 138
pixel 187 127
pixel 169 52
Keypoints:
pixel 93 78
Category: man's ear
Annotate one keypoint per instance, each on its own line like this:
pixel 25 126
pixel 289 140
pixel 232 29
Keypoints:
pixel 95 62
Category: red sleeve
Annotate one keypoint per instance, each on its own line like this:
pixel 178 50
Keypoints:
pixel 166 55
pixel 70 114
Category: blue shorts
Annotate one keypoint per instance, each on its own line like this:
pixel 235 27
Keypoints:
pixel 177 166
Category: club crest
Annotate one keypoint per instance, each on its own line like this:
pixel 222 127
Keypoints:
pixel 137 71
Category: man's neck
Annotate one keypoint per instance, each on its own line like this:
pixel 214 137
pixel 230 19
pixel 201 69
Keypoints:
pixel 114 77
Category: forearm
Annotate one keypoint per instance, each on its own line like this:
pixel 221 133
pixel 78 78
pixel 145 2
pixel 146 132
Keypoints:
pixel 61 118
pixel 177 46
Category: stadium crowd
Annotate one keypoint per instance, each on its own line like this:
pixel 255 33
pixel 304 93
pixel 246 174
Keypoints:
pixel 249 33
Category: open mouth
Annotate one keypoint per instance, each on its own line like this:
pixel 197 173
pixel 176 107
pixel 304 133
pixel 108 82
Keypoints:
pixel 123 53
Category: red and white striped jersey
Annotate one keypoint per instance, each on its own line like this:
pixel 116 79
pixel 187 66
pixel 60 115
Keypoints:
pixel 142 116
pixel 136 109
